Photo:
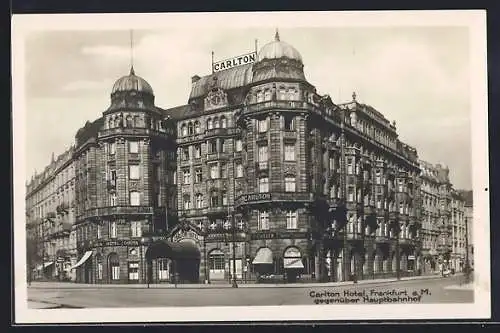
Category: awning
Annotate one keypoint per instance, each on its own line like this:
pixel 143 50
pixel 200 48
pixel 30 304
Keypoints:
pixel 289 263
pixel 82 260
pixel 44 265
pixel 263 256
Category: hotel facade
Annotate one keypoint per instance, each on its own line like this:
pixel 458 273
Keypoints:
pixel 257 178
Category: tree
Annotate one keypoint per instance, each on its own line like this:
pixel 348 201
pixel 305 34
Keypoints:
pixel 32 256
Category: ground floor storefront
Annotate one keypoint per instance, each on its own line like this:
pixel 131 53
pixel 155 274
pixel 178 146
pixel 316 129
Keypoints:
pixel 185 256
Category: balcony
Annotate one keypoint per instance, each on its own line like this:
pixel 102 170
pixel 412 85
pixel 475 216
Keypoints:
pixel 219 210
pixel 231 131
pixel 262 165
pixel 217 156
pixel 280 105
pixel 289 135
pixel 118 210
pixel 131 131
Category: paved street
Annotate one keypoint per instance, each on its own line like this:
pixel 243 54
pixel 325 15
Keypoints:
pixel 440 290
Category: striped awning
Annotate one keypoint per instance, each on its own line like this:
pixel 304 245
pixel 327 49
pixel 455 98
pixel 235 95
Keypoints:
pixel 82 260
pixel 263 256
pixel 290 263
pixel 44 265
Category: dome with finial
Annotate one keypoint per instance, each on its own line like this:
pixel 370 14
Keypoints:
pixel 278 49
pixel 132 82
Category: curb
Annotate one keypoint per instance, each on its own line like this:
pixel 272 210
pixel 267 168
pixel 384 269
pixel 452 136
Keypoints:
pixel 228 286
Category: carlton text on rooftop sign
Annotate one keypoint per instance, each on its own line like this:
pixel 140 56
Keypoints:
pixel 234 62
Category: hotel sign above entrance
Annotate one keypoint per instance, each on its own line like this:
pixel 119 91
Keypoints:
pixel 234 62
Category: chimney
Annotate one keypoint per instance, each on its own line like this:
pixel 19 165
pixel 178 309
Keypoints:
pixel 195 78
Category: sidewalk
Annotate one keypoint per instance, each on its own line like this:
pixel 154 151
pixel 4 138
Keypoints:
pixel 70 285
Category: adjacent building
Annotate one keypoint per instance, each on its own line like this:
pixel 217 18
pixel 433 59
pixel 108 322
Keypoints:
pixel 258 177
pixel 50 214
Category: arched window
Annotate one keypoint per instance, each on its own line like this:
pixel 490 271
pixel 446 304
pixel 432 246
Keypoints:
pixel 210 124
pixel 197 127
pixel 187 201
pixel 130 122
pixel 190 128
pixel 282 94
pixel 260 96
pixel 184 130
pixel 114 266
pixel 216 123
pixel 111 123
pixel 199 200
pixel 223 122
pixel 292 94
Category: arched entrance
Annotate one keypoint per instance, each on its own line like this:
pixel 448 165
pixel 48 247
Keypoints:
pixel 185 256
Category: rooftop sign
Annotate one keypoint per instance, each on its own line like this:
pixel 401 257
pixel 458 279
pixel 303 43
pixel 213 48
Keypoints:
pixel 234 62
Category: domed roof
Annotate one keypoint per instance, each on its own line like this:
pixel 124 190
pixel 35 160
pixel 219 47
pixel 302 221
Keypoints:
pixel 132 82
pixel 278 49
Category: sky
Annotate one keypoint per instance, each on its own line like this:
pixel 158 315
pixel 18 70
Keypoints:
pixel 416 76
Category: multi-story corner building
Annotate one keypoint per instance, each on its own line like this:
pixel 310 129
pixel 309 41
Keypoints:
pixel 458 231
pixel 436 216
pixel 125 165
pixel 258 176
pixel 469 225
pixel 266 161
pixel 50 212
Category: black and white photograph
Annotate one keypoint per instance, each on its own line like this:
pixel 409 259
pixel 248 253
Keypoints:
pixel 257 166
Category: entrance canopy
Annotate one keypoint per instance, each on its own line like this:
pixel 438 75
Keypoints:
pixel 293 263
pixel 172 250
pixel 44 265
pixel 84 258
pixel 263 256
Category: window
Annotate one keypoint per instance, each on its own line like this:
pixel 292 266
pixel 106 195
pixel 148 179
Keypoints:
pixel 216 261
pixel 289 152
pixel 267 95
pixel 289 123
pixel 238 145
pixel 214 200
pixel 349 166
pixel 133 147
pixel 214 171
pixel 239 170
pixel 197 151
pixel 187 202
pixel 133 271
pixel 262 125
pixel 163 269
pixel 263 154
pixel 224 198
pixel 291 219
pixel 223 122
pixel 199 200
pixel 190 129
pixel 264 185
pixel 99 271
pixel 331 163
pixel 223 169
pixel 184 130
pixel 260 96
pixel 135 229
pixel 112 148
pixel 291 94
pixel 198 175
pixel 112 229
pixel 186 174
pixel 112 199
pixel 99 232
pixel 400 185
pixel 378 177
pixel 222 146
pixel 134 198
pixel 133 171
pixel 350 194
pixel 212 146
pixel 282 94
pixel 263 222
pixel 185 154
pixel 197 128
pixel 290 184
